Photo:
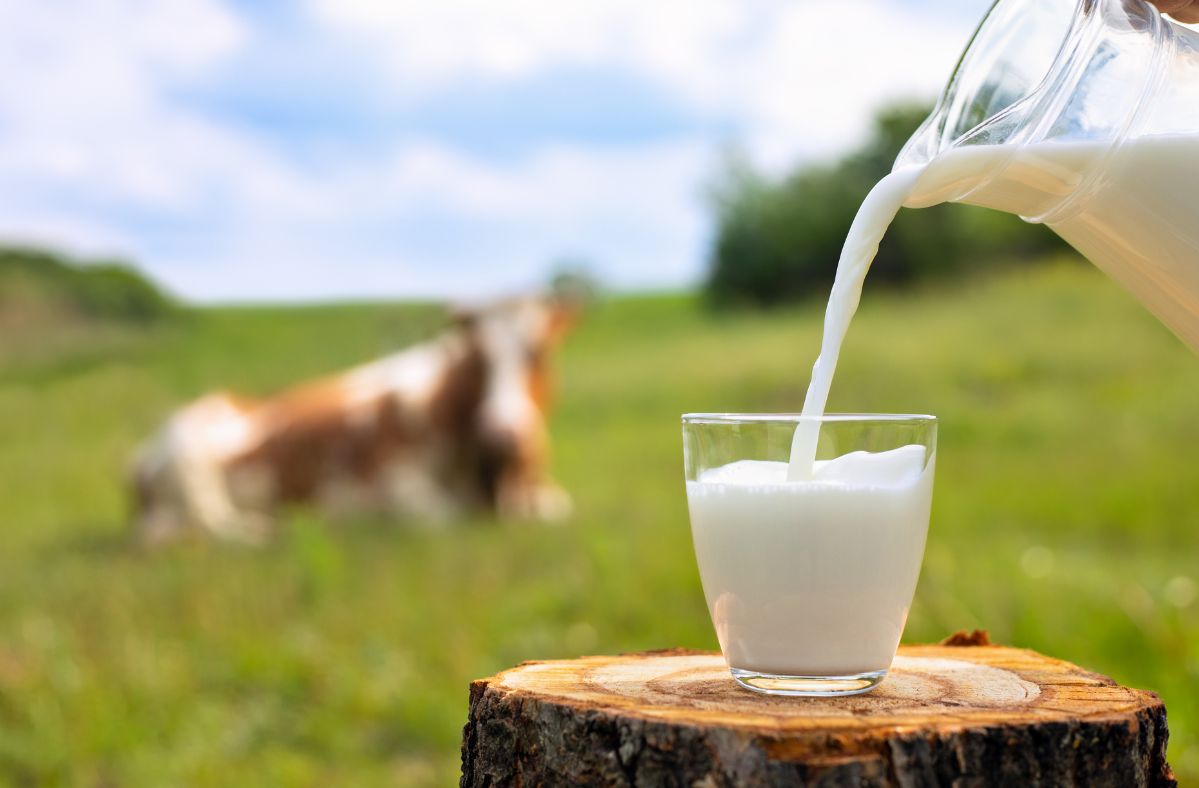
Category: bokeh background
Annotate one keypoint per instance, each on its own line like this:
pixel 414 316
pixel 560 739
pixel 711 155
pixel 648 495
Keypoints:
pixel 209 193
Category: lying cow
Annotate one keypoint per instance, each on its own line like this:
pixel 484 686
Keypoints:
pixel 445 428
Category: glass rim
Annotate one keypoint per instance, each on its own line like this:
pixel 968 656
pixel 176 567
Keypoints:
pixel 796 418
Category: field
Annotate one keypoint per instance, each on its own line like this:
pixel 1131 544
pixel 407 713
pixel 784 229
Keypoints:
pixel 1066 519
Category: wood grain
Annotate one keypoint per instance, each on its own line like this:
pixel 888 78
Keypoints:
pixel 945 715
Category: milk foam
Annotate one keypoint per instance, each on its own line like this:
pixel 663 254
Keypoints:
pixel 896 467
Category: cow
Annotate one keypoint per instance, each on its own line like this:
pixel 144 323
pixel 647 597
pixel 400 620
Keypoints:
pixel 443 429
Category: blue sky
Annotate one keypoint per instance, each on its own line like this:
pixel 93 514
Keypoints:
pixel 363 148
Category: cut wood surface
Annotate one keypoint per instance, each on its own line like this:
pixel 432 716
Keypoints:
pixel 945 715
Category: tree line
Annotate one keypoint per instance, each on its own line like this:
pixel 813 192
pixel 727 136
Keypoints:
pixel 778 240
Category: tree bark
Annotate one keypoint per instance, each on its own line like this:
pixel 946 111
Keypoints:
pixel 962 716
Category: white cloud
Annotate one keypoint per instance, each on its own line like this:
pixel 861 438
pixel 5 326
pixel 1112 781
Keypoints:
pixel 426 44
pixel 800 76
pixel 84 100
pixel 101 151
pixel 634 211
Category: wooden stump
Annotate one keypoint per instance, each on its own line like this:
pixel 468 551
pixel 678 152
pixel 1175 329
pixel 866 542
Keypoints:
pixel 946 715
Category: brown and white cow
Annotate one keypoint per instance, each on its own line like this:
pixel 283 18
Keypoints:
pixel 449 427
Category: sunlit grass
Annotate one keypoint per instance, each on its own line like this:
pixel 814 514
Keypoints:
pixel 1066 519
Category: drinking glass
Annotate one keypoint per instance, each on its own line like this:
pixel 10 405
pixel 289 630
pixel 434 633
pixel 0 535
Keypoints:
pixel 809 582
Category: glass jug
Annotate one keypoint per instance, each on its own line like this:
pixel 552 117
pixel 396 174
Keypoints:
pixel 1083 115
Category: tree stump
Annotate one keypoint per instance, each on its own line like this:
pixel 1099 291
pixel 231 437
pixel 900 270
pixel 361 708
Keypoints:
pixel 946 715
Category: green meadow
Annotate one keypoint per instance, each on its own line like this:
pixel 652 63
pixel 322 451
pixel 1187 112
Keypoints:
pixel 1066 519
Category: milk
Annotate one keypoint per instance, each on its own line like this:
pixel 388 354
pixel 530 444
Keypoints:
pixel 1141 227
pixel 809 566
pixel 812 577
pixel 869 225
pixel 1137 222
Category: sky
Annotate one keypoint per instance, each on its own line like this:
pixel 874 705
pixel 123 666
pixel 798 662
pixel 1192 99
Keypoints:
pixel 333 149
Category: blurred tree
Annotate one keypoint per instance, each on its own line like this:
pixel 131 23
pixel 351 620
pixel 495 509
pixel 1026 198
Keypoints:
pixel 573 278
pixel 37 281
pixel 779 241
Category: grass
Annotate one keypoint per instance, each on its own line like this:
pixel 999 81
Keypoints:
pixel 1065 520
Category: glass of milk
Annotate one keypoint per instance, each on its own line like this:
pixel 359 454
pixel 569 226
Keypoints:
pixel 809 581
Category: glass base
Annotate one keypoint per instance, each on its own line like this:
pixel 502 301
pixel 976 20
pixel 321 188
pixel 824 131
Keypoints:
pixel 808 686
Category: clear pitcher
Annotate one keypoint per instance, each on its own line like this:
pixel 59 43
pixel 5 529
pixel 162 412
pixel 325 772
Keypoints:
pixel 1083 115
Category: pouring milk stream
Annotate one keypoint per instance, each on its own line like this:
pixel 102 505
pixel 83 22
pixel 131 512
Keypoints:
pixel 1097 136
